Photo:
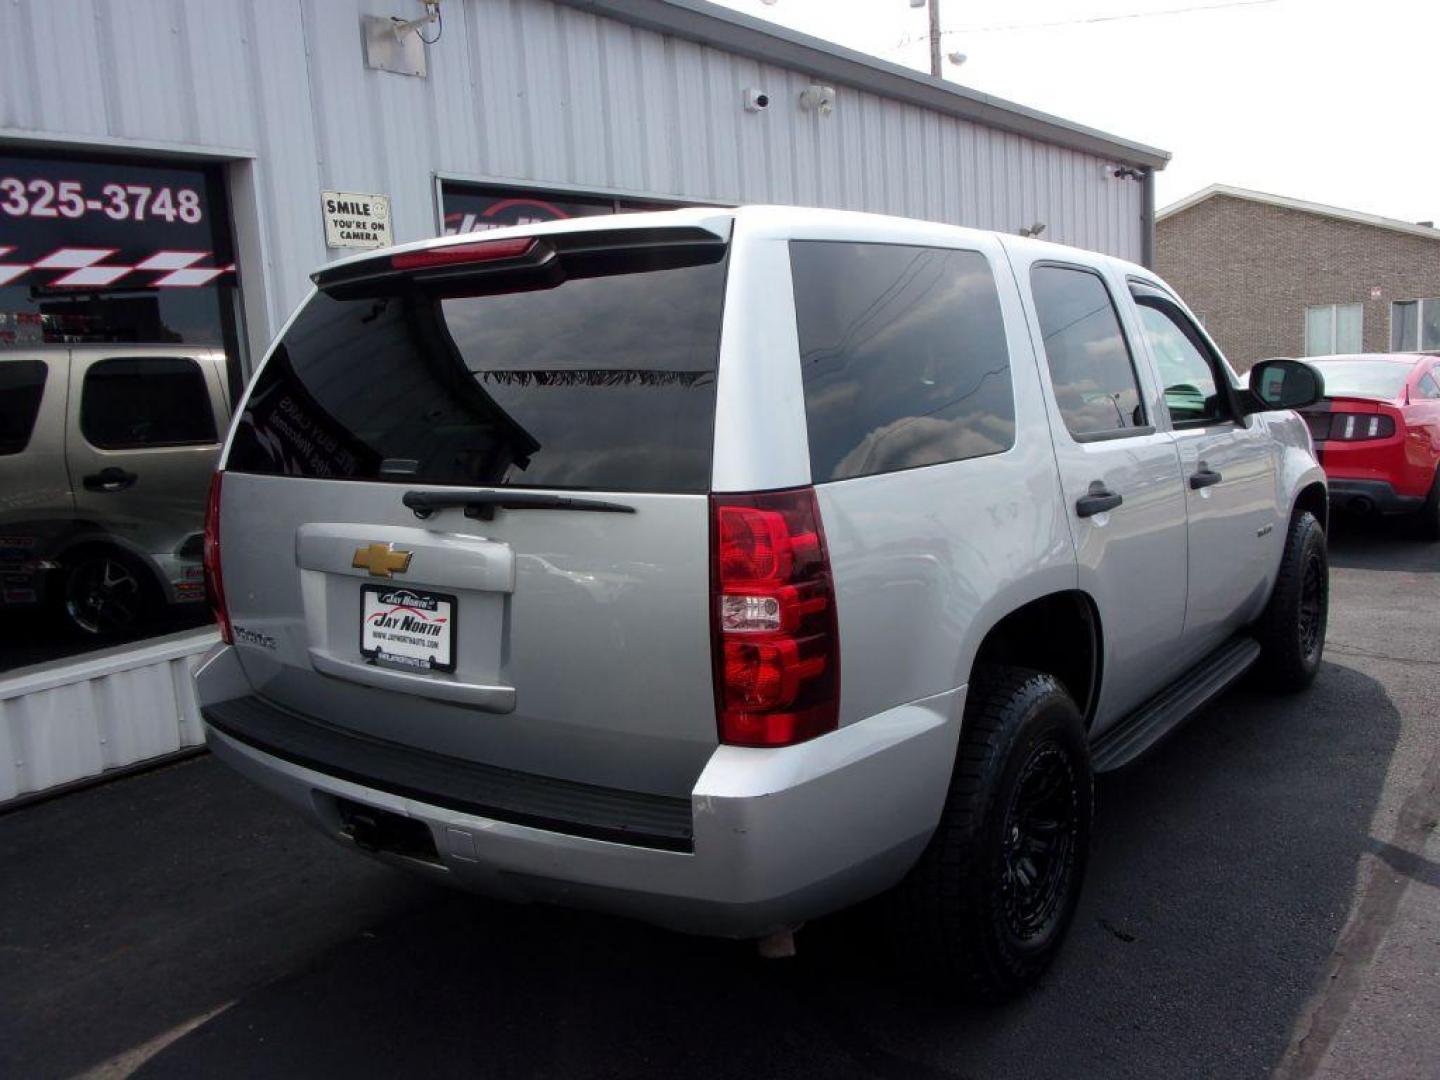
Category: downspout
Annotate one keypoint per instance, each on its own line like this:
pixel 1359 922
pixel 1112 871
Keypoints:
pixel 1147 220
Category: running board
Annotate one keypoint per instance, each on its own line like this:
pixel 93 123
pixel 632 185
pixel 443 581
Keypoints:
pixel 1144 728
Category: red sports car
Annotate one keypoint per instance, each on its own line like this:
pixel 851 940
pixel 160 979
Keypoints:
pixel 1377 433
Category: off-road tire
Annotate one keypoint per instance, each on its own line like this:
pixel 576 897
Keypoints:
pixel 954 918
pixel 1427 521
pixel 1292 630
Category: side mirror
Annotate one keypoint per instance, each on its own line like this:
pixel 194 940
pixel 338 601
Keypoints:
pixel 1283 383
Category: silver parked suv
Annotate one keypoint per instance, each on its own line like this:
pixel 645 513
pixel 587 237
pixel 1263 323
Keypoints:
pixel 727 568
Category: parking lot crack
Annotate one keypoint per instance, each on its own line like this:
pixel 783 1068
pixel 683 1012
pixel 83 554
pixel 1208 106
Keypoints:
pixel 1351 650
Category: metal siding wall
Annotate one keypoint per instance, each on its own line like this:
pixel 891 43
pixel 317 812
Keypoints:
pixel 79 718
pixel 522 89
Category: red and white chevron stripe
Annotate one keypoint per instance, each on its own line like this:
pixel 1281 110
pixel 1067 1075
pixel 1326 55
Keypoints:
pixel 89 268
pixel 82 264
pixel 183 273
pixel 10 271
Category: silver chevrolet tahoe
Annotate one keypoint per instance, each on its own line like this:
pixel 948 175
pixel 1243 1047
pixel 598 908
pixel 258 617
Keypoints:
pixel 726 568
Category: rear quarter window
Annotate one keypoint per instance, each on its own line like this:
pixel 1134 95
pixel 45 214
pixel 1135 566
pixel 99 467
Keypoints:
pixel 903 357
pixel 135 402
pixel 22 384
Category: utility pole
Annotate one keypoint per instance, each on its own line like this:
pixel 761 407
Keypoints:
pixel 935 38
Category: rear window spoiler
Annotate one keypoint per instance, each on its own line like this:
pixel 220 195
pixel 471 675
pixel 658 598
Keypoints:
pixel 536 260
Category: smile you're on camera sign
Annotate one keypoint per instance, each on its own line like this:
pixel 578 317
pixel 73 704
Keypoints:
pixel 353 220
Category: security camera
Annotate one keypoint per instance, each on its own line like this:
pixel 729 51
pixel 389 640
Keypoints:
pixel 756 100
pixel 818 98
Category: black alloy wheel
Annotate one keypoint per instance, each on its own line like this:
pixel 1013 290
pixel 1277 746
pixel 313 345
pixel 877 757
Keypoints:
pixel 1039 840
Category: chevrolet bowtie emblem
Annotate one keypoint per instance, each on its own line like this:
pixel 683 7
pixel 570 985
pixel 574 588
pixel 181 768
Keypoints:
pixel 381 560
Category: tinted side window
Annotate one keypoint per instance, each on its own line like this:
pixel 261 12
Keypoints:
pixel 22 384
pixel 133 402
pixel 1090 363
pixel 1191 392
pixel 903 357
pixel 1428 387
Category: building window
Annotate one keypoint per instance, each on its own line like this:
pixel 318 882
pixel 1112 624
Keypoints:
pixel 1414 325
pixel 466 208
pixel 1333 328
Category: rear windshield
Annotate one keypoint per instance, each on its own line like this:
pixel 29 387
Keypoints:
pixel 603 382
pixel 1363 378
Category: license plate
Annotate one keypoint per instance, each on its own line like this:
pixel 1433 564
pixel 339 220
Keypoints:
pixel 407 628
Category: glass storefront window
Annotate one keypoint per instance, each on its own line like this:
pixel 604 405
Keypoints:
pixel 118 352
pixel 478 207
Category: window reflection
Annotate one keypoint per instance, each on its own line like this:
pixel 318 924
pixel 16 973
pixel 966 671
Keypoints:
pixel 601 382
pixel 1090 364
pixel 903 357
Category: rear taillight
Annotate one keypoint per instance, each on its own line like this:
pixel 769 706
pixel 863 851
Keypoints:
pixel 214 583
pixel 776 646
pixel 1354 427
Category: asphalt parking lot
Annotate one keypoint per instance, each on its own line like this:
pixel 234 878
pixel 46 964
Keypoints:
pixel 1264 896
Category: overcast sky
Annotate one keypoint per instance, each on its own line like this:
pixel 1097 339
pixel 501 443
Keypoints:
pixel 1334 101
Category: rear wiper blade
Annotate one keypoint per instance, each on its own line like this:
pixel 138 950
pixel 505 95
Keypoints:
pixel 483 504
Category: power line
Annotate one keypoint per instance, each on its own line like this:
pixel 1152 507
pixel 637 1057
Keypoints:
pixel 1119 17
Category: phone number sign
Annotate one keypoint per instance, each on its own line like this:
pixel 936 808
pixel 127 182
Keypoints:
pixel 44 198
pixel 67 224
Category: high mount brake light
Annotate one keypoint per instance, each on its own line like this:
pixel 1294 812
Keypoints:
pixel 776 641
pixel 214 583
pixel 457 254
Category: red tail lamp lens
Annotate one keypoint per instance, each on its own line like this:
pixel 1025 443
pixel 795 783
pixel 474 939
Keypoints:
pixel 754 544
pixel 214 583
pixel 454 254
pixel 777 649
pixel 1357 427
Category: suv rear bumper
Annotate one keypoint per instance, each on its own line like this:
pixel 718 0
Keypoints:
pixel 775 837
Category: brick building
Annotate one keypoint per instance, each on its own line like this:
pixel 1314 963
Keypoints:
pixel 1272 276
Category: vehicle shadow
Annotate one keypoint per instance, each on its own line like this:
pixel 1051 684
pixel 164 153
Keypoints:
pixel 1222 873
pixel 1379 543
